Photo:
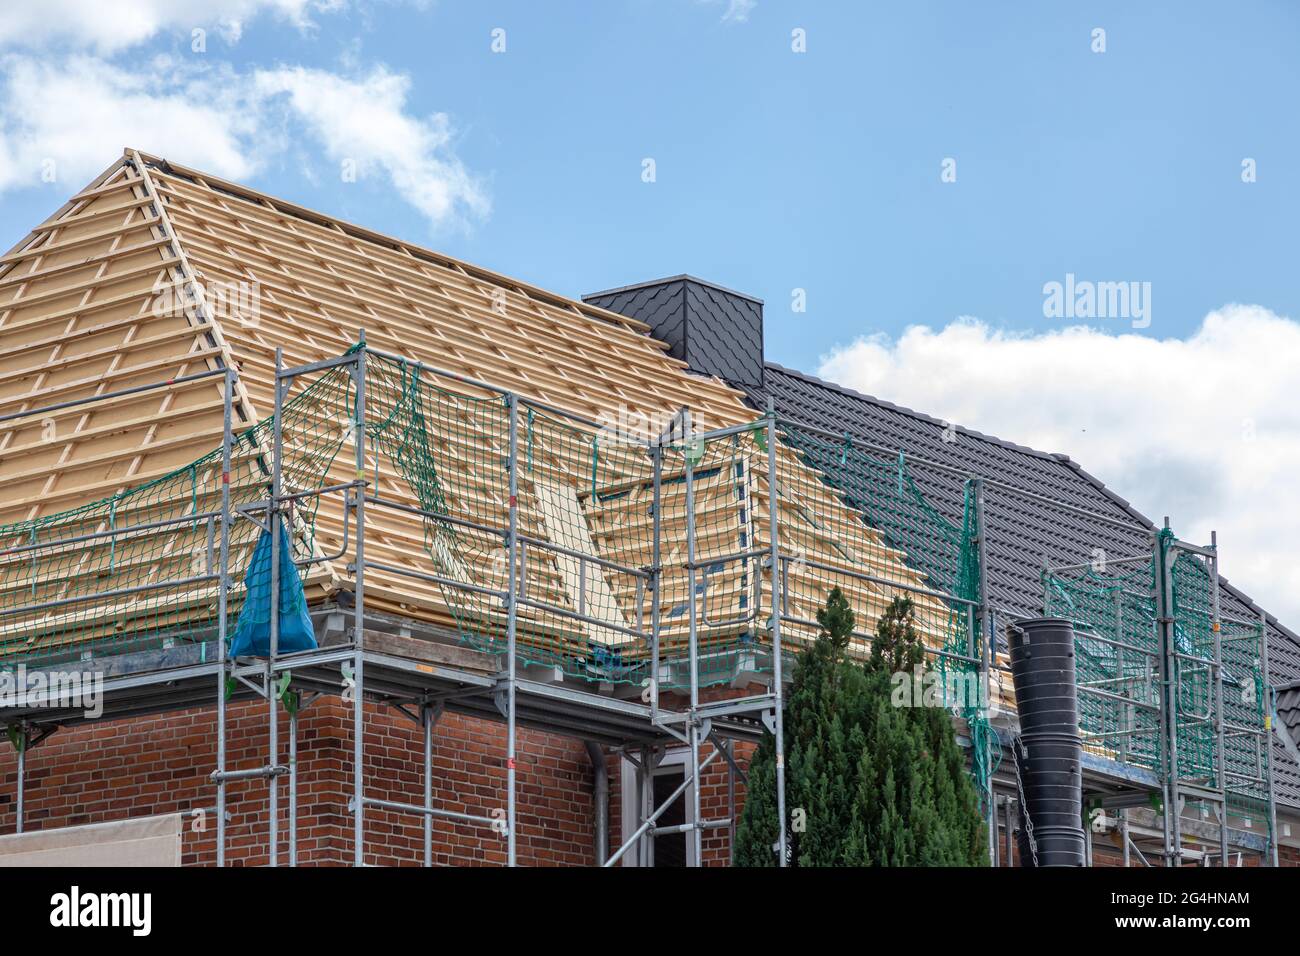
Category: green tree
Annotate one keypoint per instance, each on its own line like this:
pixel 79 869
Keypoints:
pixel 868 783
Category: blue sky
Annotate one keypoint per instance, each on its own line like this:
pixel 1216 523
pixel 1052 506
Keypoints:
pixel 776 171
pixel 820 170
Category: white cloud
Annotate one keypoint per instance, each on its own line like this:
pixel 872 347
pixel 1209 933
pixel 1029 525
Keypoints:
pixel 365 121
pixel 79 112
pixel 1204 429
pixel 111 26
pixel 737 11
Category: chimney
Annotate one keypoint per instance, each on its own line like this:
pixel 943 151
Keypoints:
pixel 713 330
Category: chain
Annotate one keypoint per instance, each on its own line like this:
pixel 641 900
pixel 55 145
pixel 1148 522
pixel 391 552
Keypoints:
pixel 1024 808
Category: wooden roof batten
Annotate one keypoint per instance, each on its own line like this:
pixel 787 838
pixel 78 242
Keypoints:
pixel 322 281
pixel 416 251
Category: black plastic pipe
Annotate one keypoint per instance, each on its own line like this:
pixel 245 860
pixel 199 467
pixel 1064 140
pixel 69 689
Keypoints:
pixel 1047 699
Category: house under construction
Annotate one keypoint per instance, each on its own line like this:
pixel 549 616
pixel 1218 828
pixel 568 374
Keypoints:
pixel 554 559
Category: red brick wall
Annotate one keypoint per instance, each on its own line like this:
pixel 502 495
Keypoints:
pixel 140 767
pixel 110 770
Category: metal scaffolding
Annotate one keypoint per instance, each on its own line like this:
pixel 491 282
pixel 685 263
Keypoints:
pixel 733 603
pixel 1173 689
pixel 350 669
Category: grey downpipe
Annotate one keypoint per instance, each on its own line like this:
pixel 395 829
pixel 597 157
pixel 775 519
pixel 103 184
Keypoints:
pixel 600 796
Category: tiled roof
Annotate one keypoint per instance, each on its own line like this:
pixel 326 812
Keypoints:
pixel 1024 527
pixel 1288 712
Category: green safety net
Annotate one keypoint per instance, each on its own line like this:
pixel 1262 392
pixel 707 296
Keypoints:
pixel 729 526
pixel 584 523
pixel 1118 664
pixel 587 600
pixel 894 535
pixel 1247 756
pixel 1117 657
pixel 1240 762
pixel 137 571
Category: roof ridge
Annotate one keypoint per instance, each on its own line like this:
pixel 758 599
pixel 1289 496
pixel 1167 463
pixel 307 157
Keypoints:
pixel 247 194
pixel 1101 486
pixel 681 277
pixel 192 279
pixel 920 416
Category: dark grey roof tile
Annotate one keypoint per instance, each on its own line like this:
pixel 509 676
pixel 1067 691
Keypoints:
pixel 1022 527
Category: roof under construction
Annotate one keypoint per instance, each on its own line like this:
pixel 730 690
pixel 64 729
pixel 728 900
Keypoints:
pixel 155 271
pixel 627 499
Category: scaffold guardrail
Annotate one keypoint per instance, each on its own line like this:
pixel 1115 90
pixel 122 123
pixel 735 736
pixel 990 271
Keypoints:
pixel 663 558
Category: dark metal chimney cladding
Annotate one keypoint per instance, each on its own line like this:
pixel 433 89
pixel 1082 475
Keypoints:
pixel 713 330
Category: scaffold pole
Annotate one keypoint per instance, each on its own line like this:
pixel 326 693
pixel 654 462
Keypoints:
pixel 778 688
pixel 359 617
pixel 512 622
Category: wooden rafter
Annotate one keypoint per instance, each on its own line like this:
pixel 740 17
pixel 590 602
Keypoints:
pixel 78 318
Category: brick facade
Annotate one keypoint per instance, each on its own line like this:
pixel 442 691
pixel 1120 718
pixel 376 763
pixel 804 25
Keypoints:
pixel 110 770
pixel 154 765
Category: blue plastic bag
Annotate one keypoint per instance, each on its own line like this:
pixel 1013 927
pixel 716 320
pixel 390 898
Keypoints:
pixel 253 632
